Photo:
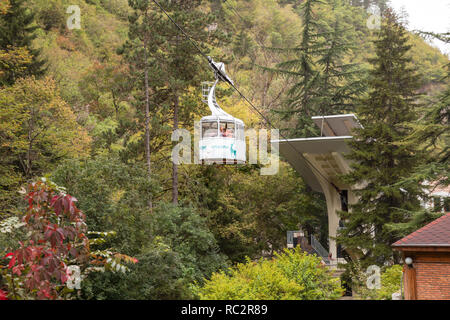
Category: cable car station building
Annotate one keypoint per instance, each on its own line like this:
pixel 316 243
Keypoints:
pixel 320 160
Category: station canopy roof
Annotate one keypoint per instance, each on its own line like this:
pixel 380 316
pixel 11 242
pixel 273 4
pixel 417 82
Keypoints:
pixel 337 125
pixel 337 131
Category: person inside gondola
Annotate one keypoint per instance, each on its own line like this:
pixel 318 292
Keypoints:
pixel 223 131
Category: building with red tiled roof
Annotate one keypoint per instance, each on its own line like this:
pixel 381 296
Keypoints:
pixel 426 253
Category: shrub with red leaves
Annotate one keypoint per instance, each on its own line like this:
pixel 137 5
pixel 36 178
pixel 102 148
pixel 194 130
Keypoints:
pixel 3 295
pixel 57 230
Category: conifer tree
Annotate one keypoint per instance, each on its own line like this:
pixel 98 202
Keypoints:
pixel 340 82
pixel 433 135
pixel 301 103
pixel 17 31
pixel 378 161
pixel 302 93
pixel 185 67
pixel 323 82
pixel 166 67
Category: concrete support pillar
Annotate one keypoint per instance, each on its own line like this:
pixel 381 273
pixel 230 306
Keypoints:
pixel 333 205
pixel 330 168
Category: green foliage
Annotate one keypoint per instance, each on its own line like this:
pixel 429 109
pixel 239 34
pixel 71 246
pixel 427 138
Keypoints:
pixel 13 63
pixel 37 129
pixel 414 221
pixel 52 15
pixel 391 280
pixel 291 275
pixel 301 105
pixel 391 101
pixel 4 6
pixel 11 232
pixel 355 276
pixel 367 3
pixel 432 134
pixel 324 82
pixel 181 251
pixel 157 275
pixel 187 233
pixel 56 238
pixel 245 215
pixel 17 30
pixel 122 189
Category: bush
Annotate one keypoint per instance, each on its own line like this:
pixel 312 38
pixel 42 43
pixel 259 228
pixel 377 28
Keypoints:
pixel 291 275
pixel 390 282
pixel 157 276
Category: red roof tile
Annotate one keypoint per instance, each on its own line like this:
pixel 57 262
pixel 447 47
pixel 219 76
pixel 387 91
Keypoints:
pixel 434 234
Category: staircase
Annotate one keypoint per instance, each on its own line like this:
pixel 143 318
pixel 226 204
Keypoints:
pixel 320 250
pixel 313 246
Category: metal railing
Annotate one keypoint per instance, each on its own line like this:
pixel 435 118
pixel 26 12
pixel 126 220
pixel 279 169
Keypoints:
pixel 321 251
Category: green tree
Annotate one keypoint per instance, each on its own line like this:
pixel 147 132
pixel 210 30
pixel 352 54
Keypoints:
pixel 187 233
pixel 378 162
pixel 17 30
pixel 246 217
pixel 55 237
pixel 159 275
pixel 339 81
pixel 158 48
pixel 139 52
pixel 123 188
pixel 4 6
pixel 13 62
pixel 37 129
pixel 391 280
pixel 301 104
pixel 324 83
pixel 430 133
pixel 106 86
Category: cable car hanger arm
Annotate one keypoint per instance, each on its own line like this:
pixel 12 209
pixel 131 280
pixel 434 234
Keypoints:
pixel 219 72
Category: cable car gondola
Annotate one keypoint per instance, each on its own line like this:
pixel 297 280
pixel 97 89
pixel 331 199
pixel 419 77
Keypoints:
pixel 222 138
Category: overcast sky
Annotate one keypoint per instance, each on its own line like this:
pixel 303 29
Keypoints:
pixel 427 15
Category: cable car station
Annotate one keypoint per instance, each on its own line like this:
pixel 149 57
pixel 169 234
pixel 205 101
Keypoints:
pixel 320 161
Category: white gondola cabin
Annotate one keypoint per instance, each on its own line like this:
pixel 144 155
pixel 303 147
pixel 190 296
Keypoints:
pixel 222 136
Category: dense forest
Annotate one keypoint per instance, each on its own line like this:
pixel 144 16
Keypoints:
pixel 89 112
